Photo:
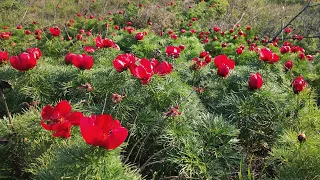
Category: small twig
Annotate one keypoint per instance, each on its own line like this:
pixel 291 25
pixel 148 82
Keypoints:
pixel 67 33
pixel 314 5
pixel 104 103
pixel 7 109
pixel 150 158
pixel 55 12
pixel 310 37
pixel 239 20
pixel 24 16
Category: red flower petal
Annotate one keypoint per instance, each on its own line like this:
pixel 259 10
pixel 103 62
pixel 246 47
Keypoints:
pixel 219 60
pixel 116 138
pixel 104 122
pixel 99 43
pixel 223 70
pixel 45 126
pixel 265 54
pixel 62 129
pixel 74 118
pixel 91 134
pixel 62 109
pixel 47 112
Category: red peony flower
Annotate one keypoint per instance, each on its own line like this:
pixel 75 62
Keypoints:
pixel 27 32
pixel 284 49
pixel 143 71
pixel 88 49
pixel 203 54
pixel 298 84
pixel 60 119
pixel 139 36
pixel 104 42
pixel 295 49
pixel 174 36
pixel 23 61
pixel 5 35
pixel 288 65
pixel 3 56
pixel 83 61
pixel 79 37
pixel 35 52
pixel 299 38
pixel 69 58
pixel 286 43
pixel 38 32
pixel 224 64
pixel 223 59
pixel 103 131
pixel 223 70
pixel 310 57
pixel 255 81
pixel 173 51
pixel 267 55
pixel 216 29
pixel 55 31
pixel 239 51
pixel 287 30
pixel 88 33
pixel 123 62
pixel 301 56
pixel 161 68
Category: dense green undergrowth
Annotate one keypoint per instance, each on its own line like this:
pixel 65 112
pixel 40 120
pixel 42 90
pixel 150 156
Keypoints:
pixel 225 131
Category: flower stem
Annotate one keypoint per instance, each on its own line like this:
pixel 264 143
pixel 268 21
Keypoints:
pixel 104 103
pixel 7 109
